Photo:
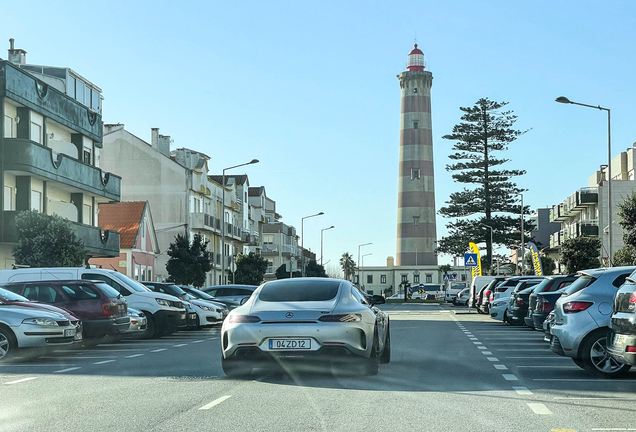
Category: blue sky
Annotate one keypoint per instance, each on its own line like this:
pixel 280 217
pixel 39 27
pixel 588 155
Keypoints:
pixel 310 89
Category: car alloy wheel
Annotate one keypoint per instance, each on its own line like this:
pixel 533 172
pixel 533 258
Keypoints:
pixel 597 359
pixel 7 344
pixel 372 364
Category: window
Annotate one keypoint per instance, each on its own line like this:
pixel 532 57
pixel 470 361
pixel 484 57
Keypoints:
pixel 36 133
pixel 416 278
pixel 86 215
pixel 8 127
pixel 429 278
pixel 383 279
pixel 415 173
pixel 87 156
pixel 268 239
pixel 81 292
pixel 369 279
pixel 415 91
pixel 36 200
pixel 149 273
pixel 71 86
pixel 8 198
pixel 416 220
pixel 94 100
pixel 405 278
pixel 42 293
pixel 358 297
pixel 416 125
pixel 136 272
pixel 463 278
pixel 79 92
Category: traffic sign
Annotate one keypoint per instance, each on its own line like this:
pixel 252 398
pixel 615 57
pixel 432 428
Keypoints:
pixel 470 260
pixel 446 277
pixel 454 276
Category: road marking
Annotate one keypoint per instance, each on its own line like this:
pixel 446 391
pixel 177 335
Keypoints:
pixel 179 345
pixel 159 350
pixel 493 359
pixel 522 349
pixel 215 402
pixel 500 367
pixel 79 357
pixel 37 365
pixel 522 391
pixel 536 357
pixel 134 355
pixel 552 367
pixel 486 353
pixel 510 377
pixel 477 343
pixel 594 398
pixel 67 369
pixel 473 338
pixel 539 408
pixel 605 381
pixel 481 347
pixel 20 380
pixel 613 429
pixel 521 343
pixel 213 338
pixel 103 362
pixel 197 341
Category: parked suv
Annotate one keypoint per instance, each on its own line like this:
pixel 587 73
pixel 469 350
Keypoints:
pixel 582 317
pixel 102 310
pixel 519 299
pixel 231 295
pixel 621 341
pixel 534 318
pixel 165 313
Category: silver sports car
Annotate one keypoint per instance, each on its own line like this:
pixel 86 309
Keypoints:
pixel 306 318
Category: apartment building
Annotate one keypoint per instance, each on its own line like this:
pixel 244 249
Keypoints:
pixel 585 211
pixel 51 138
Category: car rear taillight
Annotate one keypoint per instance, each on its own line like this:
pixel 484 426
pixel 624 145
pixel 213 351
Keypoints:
pixel 544 306
pixel 631 349
pixel 460 295
pixel 519 301
pixel 341 318
pixel 573 307
pixel 236 319
pixel 108 308
pixel 492 297
pixel 487 293
pixel 632 299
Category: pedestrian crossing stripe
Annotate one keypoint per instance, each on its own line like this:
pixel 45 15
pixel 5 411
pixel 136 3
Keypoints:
pixel 471 261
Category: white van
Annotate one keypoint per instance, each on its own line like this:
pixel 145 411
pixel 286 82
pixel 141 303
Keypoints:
pixel 452 289
pixel 478 283
pixel 165 313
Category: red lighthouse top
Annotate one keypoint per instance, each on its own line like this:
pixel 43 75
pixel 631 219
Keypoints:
pixel 415 60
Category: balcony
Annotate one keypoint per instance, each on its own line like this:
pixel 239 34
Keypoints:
pixel 557 213
pixel 97 241
pixel 289 250
pixel 204 221
pixel 270 249
pixel 587 197
pixel 588 227
pixel 21 155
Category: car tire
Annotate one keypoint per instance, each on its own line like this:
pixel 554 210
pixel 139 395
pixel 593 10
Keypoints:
pixel 233 368
pixel 386 354
pixel 372 364
pixel 151 327
pixel 597 360
pixel 578 362
pixel 480 311
pixel 8 344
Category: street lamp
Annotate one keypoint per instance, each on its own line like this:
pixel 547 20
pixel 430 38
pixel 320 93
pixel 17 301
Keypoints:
pixel 223 226
pixel 359 246
pixel 522 233
pixel 360 281
pixel 302 240
pixel 563 99
pixel 492 246
pixel 321 231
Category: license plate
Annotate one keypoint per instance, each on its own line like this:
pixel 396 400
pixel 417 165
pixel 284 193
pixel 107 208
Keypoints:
pixel 183 316
pixel 69 332
pixel 618 340
pixel 289 344
pixel 78 336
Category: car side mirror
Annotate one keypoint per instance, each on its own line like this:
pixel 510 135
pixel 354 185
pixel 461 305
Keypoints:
pixel 244 300
pixel 378 299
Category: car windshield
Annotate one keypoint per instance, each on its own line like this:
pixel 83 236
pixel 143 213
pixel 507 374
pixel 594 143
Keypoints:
pixel 130 283
pixel 582 282
pixel 8 296
pixel 299 290
pixel 200 294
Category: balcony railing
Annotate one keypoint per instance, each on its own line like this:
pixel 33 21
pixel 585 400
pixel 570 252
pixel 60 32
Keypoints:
pixel 204 221
pixel 270 248
pixel 588 227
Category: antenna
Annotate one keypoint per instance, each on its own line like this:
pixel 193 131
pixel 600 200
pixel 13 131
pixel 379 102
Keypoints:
pixel 415 39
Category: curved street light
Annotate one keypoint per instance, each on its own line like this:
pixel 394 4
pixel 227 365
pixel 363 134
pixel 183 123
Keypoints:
pixel 321 231
pixel 359 246
pixel 302 240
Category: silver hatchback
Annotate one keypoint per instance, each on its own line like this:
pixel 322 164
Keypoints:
pixel 582 317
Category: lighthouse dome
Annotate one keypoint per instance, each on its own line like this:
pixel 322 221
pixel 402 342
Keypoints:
pixel 415 60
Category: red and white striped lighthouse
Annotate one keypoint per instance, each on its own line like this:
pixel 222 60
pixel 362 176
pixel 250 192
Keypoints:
pixel 416 230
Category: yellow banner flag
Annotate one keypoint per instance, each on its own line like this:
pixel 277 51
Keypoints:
pixel 475 250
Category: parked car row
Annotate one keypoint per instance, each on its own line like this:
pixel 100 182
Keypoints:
pixel 589 316
pixel 61 306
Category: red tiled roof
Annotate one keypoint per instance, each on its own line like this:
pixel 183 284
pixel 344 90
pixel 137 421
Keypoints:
pixel 123 217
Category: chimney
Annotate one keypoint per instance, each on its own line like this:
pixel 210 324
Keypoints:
pixel 16 55
pixel 163 144
pixel 154 137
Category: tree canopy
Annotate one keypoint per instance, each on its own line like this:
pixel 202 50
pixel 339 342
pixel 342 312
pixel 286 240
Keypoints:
pixel 250 269
pixel 47 241
pixel 627 221
pixel 189 262
pixel 580 253
pixel 348 266
pixel 314 269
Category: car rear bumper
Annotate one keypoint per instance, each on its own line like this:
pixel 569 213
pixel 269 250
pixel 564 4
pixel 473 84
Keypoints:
pixel 619 352
pixel 498 312
pixel 102 327
pixel 255 356
pixel 538 320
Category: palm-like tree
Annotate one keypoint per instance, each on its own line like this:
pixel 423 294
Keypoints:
pixel 348 265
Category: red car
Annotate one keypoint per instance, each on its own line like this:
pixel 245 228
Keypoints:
pixel 10 298
pixel 103 310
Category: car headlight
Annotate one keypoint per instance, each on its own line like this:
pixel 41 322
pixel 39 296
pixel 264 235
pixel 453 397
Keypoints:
pixel 163 302
pixel 206 308
pixel 40 321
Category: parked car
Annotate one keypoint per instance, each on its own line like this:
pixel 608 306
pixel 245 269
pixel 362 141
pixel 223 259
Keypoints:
pixel 540 306
pixel 451 292
pixel 582 319
pixel 11 298
pixel 207 297
pixel 28 327
pixel 201 313
pixel 231 295
pixel 164 313
pixel 309 318
pixel 138 322
pixel 519 301
pixel 500 289
pixel 621 341
pixel 477 286
pixel 103 310
pixel 462 297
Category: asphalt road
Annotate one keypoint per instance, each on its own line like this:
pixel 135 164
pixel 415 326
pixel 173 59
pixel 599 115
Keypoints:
pixel 449 372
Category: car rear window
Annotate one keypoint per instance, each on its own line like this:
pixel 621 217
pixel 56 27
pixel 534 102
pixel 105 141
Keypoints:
pixel 108 290
pixel 576 286
pixel 299 290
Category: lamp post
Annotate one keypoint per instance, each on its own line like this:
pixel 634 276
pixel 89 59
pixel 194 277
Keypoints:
pixel 563 99
pixel 492 246
pixel 223 226
pixel 321 231
pixel 359 246
pixel 522 233
pixel 363 267
pixel 302 240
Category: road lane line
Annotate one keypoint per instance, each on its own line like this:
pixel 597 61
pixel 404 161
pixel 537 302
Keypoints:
pixel 510 377
pixel 486 353
pixel 78 357
pixel 67 369
pixel 500 367
pixel 493 359
pixel 523 391
pixel 539 408
pixel 134 355
pixel 20 380
pixel 159 350
pixel 602 381
pixel 213 338
pixel 179 345
pixel 37 365
pixel 103 362
pixel 473 338
pixel 537 357
pixel 551 367
pixel 594 398
pixel 197 341
pixel 482 347
pixel 215 402
pixel 477 343
pixel 523 349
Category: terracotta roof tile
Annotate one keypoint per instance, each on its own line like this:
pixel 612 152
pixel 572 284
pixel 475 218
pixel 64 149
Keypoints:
pixel 123 217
